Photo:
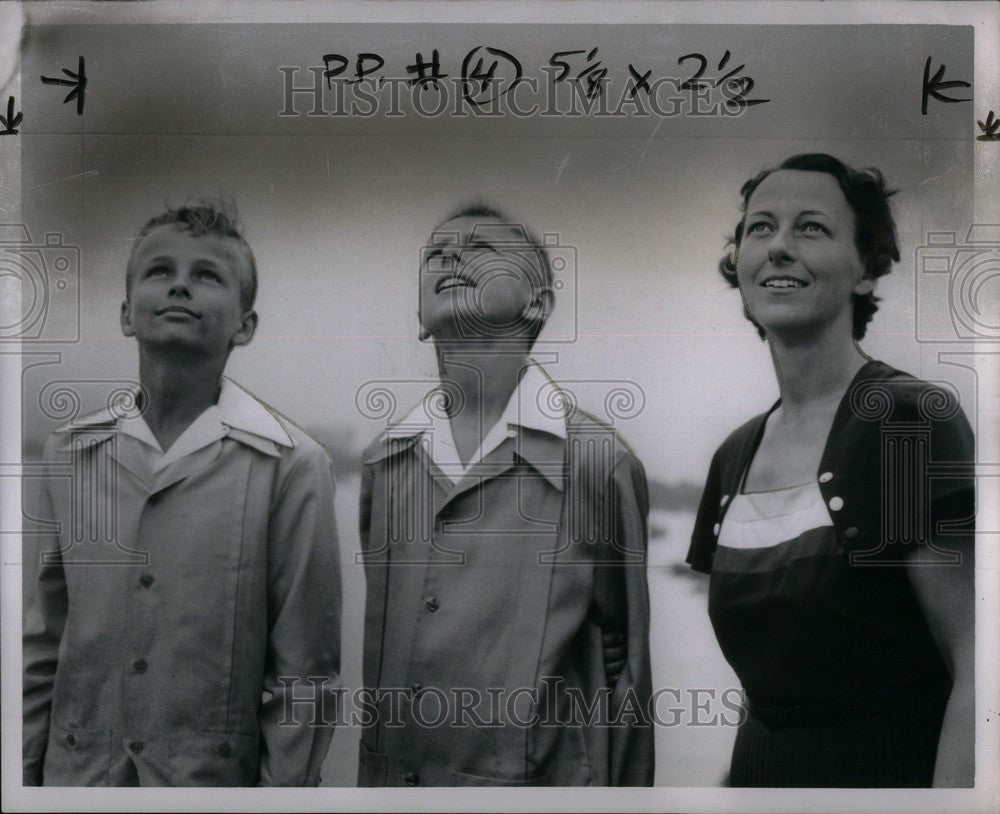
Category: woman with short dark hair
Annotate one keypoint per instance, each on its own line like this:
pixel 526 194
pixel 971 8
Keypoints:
pixel 841 570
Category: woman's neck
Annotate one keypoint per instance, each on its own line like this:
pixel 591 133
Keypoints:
pixel 814 373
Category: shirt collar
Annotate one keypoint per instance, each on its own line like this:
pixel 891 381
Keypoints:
pixel 239 410
pixel 536 404
pixel 236 413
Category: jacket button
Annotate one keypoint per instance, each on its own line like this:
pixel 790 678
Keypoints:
pixel 412 779
pixel 139 666
pixel 724 501
pixel 136 746
pixel 715 529
pixel 432 603
pixel 146 580
pixel 836 504
pixel 826 477
pixel 225 749
pixel 851 533
pixel 71 739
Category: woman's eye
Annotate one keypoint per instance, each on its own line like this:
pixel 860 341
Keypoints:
pixel 812 227
pixel 758 226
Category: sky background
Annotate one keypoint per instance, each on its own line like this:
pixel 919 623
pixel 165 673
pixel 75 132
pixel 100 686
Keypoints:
pixel 337 208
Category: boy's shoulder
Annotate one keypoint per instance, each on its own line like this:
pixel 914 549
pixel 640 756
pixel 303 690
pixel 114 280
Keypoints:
pixel 402 433
pixel 260 419
pixel 581 424
pixel 83 432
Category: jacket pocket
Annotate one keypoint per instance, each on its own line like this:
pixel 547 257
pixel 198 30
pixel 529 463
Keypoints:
pixel 77 757
pixel 214 759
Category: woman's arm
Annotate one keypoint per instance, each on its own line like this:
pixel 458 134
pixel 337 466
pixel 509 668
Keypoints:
pixel 946 596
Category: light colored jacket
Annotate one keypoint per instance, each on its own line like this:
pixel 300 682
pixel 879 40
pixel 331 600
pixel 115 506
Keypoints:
pixel 174 621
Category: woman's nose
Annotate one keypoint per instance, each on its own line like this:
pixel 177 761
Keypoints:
pixel 781 248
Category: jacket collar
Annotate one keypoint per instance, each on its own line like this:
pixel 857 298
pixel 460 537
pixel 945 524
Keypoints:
pixel 240 416
pixel 532 428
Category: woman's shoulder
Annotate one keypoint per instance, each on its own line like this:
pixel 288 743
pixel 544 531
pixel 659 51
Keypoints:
pixel 740 440
pixel 881 392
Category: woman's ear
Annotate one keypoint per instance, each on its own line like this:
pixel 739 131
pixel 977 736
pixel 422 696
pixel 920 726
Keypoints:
pixel 864 286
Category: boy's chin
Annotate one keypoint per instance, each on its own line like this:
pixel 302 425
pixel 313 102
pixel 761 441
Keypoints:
pixel 181 345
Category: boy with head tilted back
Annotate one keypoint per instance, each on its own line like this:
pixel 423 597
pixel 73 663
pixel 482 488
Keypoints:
pixel 504 534
pixel 171 654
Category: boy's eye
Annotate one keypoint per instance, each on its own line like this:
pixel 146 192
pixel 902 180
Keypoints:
pixel 476 253
pixel 438 261
pixel 157 271
pixel 208 274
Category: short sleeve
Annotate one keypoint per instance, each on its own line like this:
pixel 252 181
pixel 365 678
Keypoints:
pixel 913 468
pixel 952 475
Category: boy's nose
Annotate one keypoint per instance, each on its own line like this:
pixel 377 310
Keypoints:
pixel 180 289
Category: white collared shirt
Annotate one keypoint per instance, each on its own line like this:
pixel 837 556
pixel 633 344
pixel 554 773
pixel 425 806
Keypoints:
pixel 534 404
pixel 235 409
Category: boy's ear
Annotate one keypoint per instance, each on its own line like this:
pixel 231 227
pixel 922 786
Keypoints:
pixel 540 307
pixel 248 326
pixel 126 319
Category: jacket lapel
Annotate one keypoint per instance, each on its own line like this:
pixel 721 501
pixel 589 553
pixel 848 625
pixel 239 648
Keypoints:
pixel 543 451
pixel 187 466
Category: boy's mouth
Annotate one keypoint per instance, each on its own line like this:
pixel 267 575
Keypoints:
pixel 177 309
